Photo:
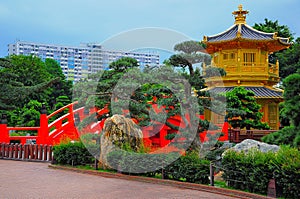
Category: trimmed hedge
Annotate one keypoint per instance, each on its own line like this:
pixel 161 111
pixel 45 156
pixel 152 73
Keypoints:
pixel 252 171
pixel 72 154
pixel 189 168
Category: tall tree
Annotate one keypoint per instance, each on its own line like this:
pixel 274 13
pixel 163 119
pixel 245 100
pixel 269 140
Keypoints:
pixel 289 135
pixel 63 87
pixel 13 92
pixel 288 59
pixel 292 97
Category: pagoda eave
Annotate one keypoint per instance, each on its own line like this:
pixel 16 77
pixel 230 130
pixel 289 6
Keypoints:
pixel 268 45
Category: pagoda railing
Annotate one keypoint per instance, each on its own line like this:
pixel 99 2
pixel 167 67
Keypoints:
pixel 238 135
pixel 261 69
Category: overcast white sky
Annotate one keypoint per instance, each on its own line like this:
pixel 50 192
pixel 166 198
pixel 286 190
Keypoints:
pixel 71 22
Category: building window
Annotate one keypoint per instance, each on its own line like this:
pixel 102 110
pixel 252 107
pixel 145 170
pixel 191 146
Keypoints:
pixel 228 56
pixel 249 59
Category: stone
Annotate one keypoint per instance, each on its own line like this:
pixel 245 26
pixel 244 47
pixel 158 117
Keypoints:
pixel 119 133
pixel 248 144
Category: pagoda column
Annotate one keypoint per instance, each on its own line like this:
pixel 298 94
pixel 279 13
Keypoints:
pixel 239 60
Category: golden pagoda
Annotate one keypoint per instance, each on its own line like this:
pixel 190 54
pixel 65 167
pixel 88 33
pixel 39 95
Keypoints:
pixel 243 53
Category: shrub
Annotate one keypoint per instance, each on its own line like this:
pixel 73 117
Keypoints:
pixel 189 168
pixel 72 154
pixel 288 136
pixel 139 163
pixel 252 171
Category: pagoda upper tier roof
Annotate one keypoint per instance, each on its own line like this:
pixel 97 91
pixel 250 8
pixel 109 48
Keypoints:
pixel 244 31
pixel 241 35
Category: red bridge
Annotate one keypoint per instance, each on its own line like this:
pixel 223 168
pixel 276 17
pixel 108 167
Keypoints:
pixel 64 128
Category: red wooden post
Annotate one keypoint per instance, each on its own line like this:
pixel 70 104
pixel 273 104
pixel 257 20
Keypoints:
pixel 40 152
pixel 9 151
pixel 43 132
pixel 36 152
pixel 4 133
pixel 16 149
pixel 26 151
pixel 21 151
pixel 31 149
pixel 50 153
pixel 45 152
pixel 1 150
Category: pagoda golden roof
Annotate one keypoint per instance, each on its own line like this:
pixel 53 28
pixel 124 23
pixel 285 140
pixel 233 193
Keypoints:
pixel 241 35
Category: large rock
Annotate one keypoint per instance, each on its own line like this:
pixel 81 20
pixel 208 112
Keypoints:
pixel 248 144
pixel 118 133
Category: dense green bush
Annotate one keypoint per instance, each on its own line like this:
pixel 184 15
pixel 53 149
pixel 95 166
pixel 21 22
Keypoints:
pixel 288 136
pixel 139 163
pixel 252 171
pixel 189 168
pixel 72 154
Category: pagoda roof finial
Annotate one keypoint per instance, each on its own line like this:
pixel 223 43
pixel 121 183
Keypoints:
pixel 240 15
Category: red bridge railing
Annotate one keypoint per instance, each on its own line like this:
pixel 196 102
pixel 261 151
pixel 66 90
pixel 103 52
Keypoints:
pixel 64 127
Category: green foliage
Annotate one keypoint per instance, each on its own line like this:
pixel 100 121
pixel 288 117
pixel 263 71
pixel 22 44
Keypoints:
pixel 292 97
pixel 92 143
pixel 242 109
pixel 30 115
pixel 189 47
pixel 189 168
pixel 26 80
pixel 288 135
pixel 139 163
pixel 289 59
pixel 274 26
pixel 72 154
pixel 19 84
pixel 123 64
pixel 189 55
pixel 252 171
pixel 214 72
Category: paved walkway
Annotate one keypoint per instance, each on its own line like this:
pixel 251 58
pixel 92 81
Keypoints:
pixel 35 180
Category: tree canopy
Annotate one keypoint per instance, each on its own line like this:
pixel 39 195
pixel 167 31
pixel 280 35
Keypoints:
pixel 26 81
pixel 190 52
pixel 242 109
pixel 289 59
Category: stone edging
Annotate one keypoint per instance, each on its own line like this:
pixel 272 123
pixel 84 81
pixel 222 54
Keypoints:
pixel 184 185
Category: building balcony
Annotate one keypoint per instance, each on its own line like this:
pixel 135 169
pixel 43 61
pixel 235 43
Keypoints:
pixel 247 72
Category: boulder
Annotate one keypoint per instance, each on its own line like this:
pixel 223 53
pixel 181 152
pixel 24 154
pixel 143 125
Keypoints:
pixel 248 144
pixel 119 133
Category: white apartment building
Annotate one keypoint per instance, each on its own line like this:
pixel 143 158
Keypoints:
pixel 78 62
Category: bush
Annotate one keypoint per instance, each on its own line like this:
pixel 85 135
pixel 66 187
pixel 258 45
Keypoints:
pixel 189 168
pixel 139 163
pixel 72 154
pixel 287 136
pixel 252 171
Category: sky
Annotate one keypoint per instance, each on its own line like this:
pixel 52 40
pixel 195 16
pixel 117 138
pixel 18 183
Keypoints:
pixel 132 24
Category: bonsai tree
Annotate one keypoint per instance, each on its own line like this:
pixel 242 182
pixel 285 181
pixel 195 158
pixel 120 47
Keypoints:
pixel 243 110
